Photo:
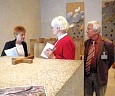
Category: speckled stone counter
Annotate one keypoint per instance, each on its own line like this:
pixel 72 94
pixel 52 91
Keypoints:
pixel 60 77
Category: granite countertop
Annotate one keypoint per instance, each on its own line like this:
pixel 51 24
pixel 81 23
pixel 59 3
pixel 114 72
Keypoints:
pixel 51 73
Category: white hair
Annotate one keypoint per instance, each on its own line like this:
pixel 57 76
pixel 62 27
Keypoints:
pixel 60 22
pixel 96 26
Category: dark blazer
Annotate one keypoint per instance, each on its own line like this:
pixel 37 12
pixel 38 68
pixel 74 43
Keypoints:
pixel 103 65
pixel 12 44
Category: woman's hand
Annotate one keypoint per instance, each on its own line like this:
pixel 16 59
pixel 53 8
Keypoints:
pixel 49 54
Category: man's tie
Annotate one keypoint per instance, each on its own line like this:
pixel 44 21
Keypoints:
pixel 91 54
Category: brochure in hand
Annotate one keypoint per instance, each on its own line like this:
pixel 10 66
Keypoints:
pixel 48 46
pixel 11 52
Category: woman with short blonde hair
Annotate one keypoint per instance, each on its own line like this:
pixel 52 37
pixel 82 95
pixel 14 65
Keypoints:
pixel 64 45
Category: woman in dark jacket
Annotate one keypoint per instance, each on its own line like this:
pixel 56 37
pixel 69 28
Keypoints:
pixel 18 42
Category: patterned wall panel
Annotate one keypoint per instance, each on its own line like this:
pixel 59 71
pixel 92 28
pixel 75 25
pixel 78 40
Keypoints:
pixel 108 20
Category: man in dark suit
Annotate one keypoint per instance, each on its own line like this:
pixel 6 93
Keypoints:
pixel 97 61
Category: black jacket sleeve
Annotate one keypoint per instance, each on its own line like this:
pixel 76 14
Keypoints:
pixel 25 48
pixel 8 45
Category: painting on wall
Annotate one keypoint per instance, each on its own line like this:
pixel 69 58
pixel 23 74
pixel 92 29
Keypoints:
pixel 75 17
pixel 108 20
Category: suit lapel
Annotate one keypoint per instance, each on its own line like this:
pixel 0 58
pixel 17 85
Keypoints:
pixel 100 50
pixel 86 50
pixel 87 46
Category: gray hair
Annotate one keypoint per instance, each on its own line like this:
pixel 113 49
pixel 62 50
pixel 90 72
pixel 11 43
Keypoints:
pixel 96 26
pixel 60 22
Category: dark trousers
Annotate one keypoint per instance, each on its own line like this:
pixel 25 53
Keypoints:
pixel 91 85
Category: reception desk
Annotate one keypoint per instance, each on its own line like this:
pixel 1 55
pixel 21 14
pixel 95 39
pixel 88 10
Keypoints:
pixel 60 77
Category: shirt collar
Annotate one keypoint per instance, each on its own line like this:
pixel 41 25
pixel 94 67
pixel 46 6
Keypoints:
pixel 97 39
pixel 60 37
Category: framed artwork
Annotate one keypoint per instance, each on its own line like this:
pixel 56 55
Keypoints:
pixel 75 17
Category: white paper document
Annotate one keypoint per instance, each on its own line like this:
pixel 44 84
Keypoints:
pixel 48 45
pixel 11 52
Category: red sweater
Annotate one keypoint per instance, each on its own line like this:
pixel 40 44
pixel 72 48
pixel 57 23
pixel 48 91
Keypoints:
pixel 65 48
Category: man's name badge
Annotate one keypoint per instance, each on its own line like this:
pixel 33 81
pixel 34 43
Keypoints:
pixel 103 56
